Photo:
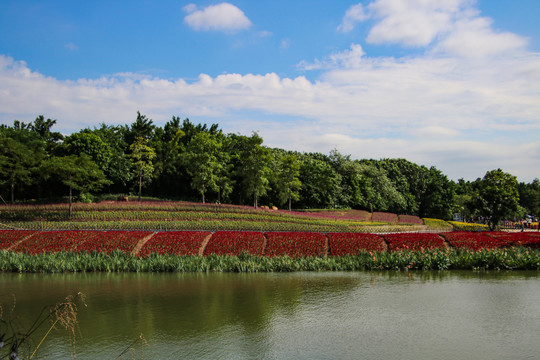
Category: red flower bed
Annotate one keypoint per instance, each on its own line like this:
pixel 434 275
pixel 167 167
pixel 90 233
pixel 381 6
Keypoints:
pixel 53 241
pixel 352 243
pixel 109 241
pixel 235 242
pixel 473 240
pixel 384 217
pixel 175 242
pixel 410 219
pixel 10 237
pixel 414 241
pixel 527 239
pixel 295 244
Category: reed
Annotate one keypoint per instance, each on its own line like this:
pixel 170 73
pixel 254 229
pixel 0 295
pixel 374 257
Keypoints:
pixel 515 258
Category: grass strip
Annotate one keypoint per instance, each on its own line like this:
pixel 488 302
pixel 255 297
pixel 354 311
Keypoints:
pixel 516 258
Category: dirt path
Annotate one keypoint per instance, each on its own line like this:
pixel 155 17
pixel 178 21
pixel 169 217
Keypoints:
pixel 141 243
pixel 203 245
pixel 14 245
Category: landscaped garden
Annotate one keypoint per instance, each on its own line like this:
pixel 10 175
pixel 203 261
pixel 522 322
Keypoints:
pixel 163 236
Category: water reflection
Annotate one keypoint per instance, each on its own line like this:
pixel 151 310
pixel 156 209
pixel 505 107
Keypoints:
pixel 299 315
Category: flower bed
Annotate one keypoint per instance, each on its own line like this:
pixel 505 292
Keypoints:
pixel 384 217
pixel 236 242
pixel 109 241
pixel 352 243
pixel 473 240
pixel 175 242
pixel 253 242
pixel 414 242
pixel 295 244
pixel 527 239
pixel 410 219
pixel 10 237
pixel 463 226
pixel 53 241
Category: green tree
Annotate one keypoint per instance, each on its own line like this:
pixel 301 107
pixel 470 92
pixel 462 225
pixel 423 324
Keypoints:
pixel 120 167
pixel 289 178
pixel 142 156
pixel 42 127
pixel 497 197
pixel 253 169
pixel 77 172
pixel 201 159
pixel 529 197
pixel 321 185
pixel 89 143
pixel 16 164
pixel 21 151
pixel 376 190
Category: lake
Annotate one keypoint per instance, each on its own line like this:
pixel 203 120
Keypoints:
pixel 328 315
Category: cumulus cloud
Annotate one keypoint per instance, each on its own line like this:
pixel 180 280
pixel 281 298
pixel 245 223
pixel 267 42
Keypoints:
pixel 220 17
pixel 353 16
pixel 435 111
pixel 413 22
pixel 475 38
pixel 467 105
pixel 452 27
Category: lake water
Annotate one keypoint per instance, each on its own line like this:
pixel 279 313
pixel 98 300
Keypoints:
pixel 357 315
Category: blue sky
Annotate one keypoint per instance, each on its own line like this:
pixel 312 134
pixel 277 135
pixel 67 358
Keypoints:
pixel 448 83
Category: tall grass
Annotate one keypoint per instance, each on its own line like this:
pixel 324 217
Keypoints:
pixel 517 258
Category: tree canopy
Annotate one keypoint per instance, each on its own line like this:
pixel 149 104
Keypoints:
pixel 197 162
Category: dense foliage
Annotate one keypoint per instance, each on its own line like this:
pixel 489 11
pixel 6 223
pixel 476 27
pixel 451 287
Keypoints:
pixel 190 162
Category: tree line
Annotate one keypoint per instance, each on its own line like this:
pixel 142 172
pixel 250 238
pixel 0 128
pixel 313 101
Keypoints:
pixel 196 162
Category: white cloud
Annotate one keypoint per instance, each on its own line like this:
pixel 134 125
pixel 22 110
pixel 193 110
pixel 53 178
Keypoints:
pixel 221 17
pixel 413 22
pixel 353 16
pixel 452 27
pixel 345 59
pixel 468 105
pixel 475 38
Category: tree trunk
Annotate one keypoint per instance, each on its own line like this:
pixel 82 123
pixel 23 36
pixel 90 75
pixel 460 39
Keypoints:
pixel 140 184
pixel 70 201
pixel 13 191
pixel 255 199
pixel 290 201
pixel 202 193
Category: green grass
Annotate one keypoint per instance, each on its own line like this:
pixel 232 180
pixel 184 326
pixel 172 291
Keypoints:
pixel 501 259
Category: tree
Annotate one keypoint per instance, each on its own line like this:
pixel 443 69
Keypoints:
pixel 288 178
pixel 321 185
pixel 21 151
pixel 142 127
pixel 376 190
pixel 16 163
pixel 89 143
pixel 120 167
pixel 438 199
pixel 142 156
pixel 253 169
pixel 77 172
pixel 529 197
pixel 202 162
pixel 42 127
pixel 497 197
